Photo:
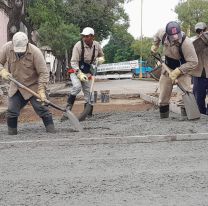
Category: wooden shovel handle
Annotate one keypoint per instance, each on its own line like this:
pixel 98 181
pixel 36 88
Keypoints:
pixel 35 94
pixel 167 69
pixel 176 81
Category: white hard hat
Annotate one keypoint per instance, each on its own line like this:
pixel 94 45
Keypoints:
pixel 88 31
pixel 200 25
pixel 20 41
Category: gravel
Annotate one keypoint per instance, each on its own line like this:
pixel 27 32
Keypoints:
pixel 61 169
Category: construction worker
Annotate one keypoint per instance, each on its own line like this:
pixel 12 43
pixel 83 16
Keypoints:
pixel 180 56
pixel 26 64
pixel 85 53
pixel 200 75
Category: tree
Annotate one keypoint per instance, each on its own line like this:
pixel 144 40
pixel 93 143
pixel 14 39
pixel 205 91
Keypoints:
pixel 59 22
pixel 145 50
pixel 119 45
pixel 15 11
pixel 191 12
pixel 54 31
pixel 99 14
pixel 57 19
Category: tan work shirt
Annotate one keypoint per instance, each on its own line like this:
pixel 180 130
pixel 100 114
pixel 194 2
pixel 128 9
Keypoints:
pixel 88 52
pixel 173 51
pixel 202 54
pixel 29 70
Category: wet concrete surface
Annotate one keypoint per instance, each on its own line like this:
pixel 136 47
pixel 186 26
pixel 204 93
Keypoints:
pixel 106 164
pixel 121 158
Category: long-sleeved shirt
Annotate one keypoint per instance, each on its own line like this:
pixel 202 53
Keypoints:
pixel 30 69
pixel 172 51
pixel 88 52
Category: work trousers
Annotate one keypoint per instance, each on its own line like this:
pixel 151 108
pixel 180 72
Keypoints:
pixel 17 102
pixel 200 87
pixel 166 87
pixel 78 85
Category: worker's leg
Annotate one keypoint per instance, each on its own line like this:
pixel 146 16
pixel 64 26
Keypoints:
pixel 76 88
pixel 15 104
pixel 166 86
pixel 86 90
pixel 43 113
pixel 199 90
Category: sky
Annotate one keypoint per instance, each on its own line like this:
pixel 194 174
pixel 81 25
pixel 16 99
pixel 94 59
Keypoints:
pixel 156 14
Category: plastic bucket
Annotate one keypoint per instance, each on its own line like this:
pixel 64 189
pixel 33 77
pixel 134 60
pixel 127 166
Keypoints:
pixel 95 96
pixel 105 96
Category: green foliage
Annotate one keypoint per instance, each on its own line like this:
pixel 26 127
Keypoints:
pixel 119 46
pixel 60 38
pixel 142 48
pixel 58 21
pixel 191 12
pixel 41 11
pixel 48 17
pixel 98 14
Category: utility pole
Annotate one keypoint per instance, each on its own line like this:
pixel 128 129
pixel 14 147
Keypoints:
pixel 189 26
pixel 141 38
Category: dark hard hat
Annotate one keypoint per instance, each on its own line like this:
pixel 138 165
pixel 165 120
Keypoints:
pixel 173 30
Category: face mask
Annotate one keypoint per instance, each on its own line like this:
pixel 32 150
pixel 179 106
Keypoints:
pixel 174 42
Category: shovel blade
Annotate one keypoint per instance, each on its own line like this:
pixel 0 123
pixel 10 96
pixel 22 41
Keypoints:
pixel 73 119
pixel 86 111
pixel 191 106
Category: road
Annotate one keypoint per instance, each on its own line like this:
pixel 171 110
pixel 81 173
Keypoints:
pixel 127 158
pixel 124 86
pixel 115 175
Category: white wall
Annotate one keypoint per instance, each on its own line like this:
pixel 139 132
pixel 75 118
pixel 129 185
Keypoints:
pixel 3 27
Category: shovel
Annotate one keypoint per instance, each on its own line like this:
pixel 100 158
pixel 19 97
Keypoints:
pixel 90 102
pixel 69 114
pixel 189 100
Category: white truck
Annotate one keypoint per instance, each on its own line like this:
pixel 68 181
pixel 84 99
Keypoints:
pixel 118 70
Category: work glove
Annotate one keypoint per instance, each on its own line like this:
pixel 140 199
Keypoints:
pixel 154 49
pixel 42 94
pixel 5 74
pixel 174 74
pixel 82 76
pixel 100 60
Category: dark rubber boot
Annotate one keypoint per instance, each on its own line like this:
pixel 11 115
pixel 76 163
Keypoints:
pixel 49 125
pixel 70 103
pixel 12 131
pixel 164 111
pixel 12 126
pixel 50 129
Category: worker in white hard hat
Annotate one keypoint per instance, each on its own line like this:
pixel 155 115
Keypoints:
pixel 200 27
pixel 26 64
pixel 200 75
pixel 86 52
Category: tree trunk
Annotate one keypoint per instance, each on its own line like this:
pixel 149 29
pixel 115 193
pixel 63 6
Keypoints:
pixel 59 70
pixel 15 17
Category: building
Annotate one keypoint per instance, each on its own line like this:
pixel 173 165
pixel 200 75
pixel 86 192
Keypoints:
pixel 3 27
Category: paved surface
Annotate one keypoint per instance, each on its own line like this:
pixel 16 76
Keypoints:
pixel 159 174
pixel 123 89
pixel 118 88
pixel 120 159
pixel 125 86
